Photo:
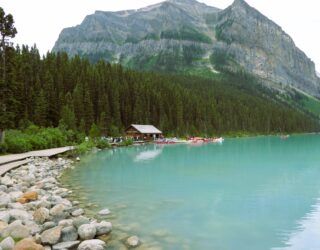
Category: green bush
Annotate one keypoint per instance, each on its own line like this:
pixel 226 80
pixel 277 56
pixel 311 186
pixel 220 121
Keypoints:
pixel 17 141
pixel 126 142
pixel 85 147
pixel 102 144
pixel 3 147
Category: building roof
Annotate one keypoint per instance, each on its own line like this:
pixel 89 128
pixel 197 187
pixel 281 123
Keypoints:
pixel 146 129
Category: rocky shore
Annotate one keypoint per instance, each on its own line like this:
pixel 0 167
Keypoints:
pixel 35 212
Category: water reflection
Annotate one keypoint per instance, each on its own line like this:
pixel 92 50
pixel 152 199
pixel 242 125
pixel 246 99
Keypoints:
pixel 148 155
pixel 307 234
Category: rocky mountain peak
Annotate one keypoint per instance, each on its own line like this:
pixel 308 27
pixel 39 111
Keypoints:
pixel 185 35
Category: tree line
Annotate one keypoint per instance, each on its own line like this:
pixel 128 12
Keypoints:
pixel 55 89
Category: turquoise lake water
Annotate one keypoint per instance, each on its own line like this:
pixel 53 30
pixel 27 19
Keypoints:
pixel 252 193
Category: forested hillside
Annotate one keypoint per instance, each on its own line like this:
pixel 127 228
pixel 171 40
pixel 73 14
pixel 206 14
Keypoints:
pixel 59 90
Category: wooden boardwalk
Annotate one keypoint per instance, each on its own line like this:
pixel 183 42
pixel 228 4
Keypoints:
pixel 8 162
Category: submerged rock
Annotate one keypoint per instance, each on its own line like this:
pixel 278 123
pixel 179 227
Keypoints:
pixel 103 227
pixel 133 241
pixel 77 212
pixel 104 212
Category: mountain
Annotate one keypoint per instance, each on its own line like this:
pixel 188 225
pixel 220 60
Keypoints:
pixel 185 36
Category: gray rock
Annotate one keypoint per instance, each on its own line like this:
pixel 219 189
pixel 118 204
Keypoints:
pixel 33 227
pixel 7 244
pixel 4 216
pixel 3 188
pixel 78 221
pixel 48 225
pixel 104 212
pixel 66 245
pixel 69 234
pixel 87 231
pixel 5 199
pixel 15 205
pixel 15 195
pixel 7 181
pixel 51 236
pixel 41 215
pixel 18 214
pixel 16 230
pixel 133 241
pixel 77 212
pixel 58 212
pixel 92 245
pixel 103 227
pixel 66 223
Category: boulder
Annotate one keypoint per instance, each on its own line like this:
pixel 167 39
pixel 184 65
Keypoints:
pixel 7 244
pixel 104 212
pixel 15 205
pixel 5 199
pixel 65 245
pixel 7 181
pixel 3 225
pixel 77 212
pixel 22 200
pixel 92 245
pixel 51 236
pixel 78 221
pixel 15 195
pixel 66 223
pixel 3 188
pixel 27 244
pixel 41 215
pixel 30 196
pixel 103 227
pixel 69 234
pixel 133 241
pixel 47 225
pixel 58 212
pixel 4 216
pixel 87 231
pixel 19 214
pixel 16 230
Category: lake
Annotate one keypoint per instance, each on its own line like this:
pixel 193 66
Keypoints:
pixel 249 193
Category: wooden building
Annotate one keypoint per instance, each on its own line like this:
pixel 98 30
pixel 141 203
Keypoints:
pixel 143 132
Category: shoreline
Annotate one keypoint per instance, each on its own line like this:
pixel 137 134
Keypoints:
pixel 37 211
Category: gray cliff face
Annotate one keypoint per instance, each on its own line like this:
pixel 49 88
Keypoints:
pixel 185 35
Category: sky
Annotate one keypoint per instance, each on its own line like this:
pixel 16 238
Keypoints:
pixel 41 21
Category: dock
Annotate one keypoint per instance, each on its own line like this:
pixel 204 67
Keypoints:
pixel 9 162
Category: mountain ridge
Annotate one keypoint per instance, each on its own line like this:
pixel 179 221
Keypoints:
pixel 185 36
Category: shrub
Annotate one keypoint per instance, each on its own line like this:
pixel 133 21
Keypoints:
pixel 102 144
pixel 3 147
pixel 17 141
pixel 126 142
pixel 85 147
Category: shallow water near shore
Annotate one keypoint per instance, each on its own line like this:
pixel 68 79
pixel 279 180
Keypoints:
pixel 249 193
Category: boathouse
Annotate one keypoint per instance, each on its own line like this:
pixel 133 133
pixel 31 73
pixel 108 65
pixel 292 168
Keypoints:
pixel 143 132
